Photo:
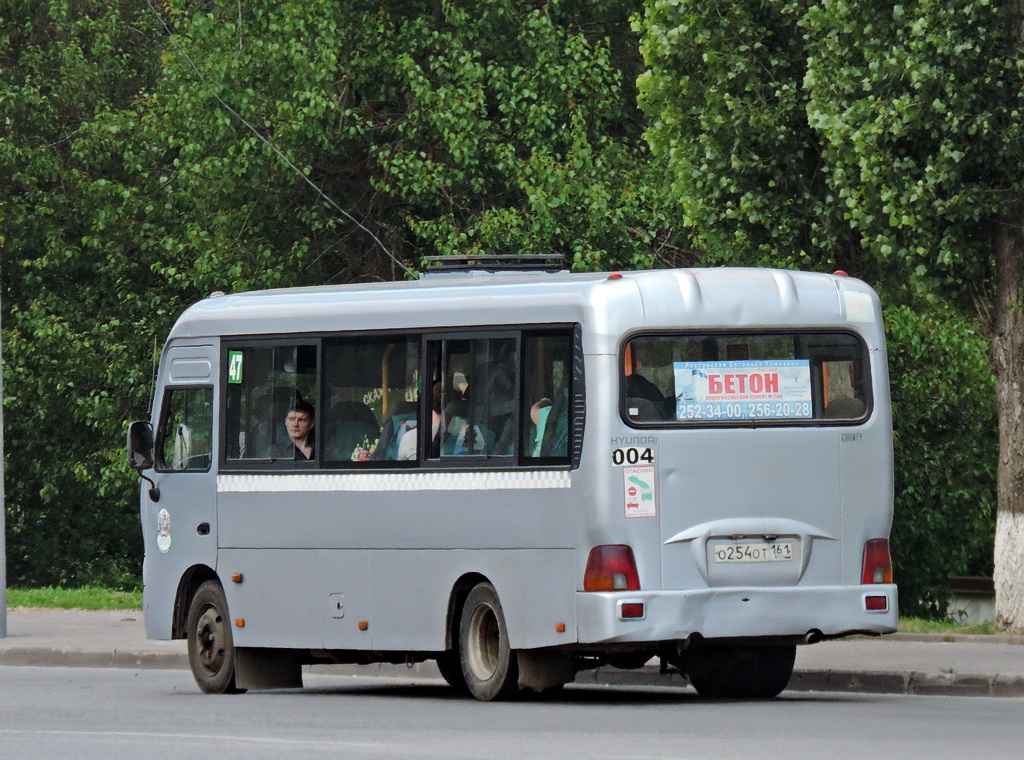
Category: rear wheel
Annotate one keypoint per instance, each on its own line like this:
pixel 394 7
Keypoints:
pixel 742 672
pixel 211 649
pixel 450 666
pixel 488 664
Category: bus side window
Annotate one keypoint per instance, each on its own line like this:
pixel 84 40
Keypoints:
pixel 263 384
pixel 478 388
pixel 372 399
pixel 546 407
pixel 184 441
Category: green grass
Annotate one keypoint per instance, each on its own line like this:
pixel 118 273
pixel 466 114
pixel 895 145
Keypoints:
pixel 87 598
pixel 917 625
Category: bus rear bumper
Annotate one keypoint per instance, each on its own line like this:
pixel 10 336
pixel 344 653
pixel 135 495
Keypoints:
pixel 818 611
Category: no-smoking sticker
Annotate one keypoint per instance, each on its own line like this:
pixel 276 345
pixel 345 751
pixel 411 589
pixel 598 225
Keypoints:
pixel 638 490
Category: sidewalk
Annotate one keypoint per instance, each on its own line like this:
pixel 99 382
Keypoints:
pixel 900 664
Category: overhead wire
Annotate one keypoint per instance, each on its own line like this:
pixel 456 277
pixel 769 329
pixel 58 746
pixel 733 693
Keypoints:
pixel 206 85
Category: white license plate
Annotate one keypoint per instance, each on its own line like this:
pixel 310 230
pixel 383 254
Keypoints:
pixel 776 551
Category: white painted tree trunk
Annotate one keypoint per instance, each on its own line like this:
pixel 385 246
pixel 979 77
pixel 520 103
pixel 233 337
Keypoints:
pixel 1009 570
pixel 1007 355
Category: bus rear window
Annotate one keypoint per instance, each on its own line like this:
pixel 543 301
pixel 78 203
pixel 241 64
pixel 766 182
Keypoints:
pixel 745 378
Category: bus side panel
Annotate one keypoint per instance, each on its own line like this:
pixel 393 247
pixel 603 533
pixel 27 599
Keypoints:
pixel 244 598
pixel 411 591
pixel 866 477
pixel 306 599
pixel 263 511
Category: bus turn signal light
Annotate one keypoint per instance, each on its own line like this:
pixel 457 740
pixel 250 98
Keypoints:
pixel 877 565
pixel 611 568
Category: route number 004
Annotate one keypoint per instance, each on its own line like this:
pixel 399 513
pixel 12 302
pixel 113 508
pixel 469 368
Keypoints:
pixel 632 456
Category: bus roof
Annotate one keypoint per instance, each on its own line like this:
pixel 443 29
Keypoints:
pixel 607 303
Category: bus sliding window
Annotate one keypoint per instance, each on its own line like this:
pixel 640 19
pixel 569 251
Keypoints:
pixel 504 399
pixel 373 400
pixel 266 385
pixel 755 378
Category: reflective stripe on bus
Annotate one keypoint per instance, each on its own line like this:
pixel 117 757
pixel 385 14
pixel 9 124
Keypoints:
pixel 418 481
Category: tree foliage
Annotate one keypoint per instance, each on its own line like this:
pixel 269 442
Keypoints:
pixel 134 187
pixel 76 348
pixel 878 138
pixel 727 113
pixel 946 448
pixel 883 139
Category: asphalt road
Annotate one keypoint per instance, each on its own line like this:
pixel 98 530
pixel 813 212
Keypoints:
pixel 93 713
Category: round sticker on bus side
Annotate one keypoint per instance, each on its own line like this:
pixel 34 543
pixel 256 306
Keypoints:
pixel 163 531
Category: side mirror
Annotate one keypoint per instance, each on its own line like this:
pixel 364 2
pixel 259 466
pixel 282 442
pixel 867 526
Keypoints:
pixel 140 446
pixel 140 453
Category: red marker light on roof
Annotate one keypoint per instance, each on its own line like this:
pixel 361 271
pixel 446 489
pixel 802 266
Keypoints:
pixel 840 273
pixel 615 276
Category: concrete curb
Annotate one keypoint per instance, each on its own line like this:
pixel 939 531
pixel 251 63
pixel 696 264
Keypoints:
pixel 82 658
pixel 804 680
pixel 912 682
pixel 961 638
pixel 864 682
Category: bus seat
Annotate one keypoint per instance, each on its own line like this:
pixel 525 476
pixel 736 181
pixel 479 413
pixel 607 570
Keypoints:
pixel 504 443
pixel 538 431
pixel 350 424
pixel 346 436
pixel 642 410
pixel 461 437
pixel 353 411
pixel 555 440
pixel 844 408
pixel 395 424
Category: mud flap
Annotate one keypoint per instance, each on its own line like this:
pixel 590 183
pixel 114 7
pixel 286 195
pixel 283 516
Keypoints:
pixel 259 668
pixel 540 670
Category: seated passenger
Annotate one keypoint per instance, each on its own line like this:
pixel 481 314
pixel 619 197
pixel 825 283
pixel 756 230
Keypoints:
pixel 459 437
pixel 539 417
pixel 299 423
pixel 409 441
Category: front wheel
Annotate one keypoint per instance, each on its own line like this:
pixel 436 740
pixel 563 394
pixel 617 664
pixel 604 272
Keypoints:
pixel 742 672
pixel 211 649
pixel 489 665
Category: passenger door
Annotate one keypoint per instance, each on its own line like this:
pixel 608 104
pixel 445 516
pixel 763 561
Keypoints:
pixel 180 526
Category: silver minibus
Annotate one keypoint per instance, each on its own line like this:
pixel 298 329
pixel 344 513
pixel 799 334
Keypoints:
pixel 521 476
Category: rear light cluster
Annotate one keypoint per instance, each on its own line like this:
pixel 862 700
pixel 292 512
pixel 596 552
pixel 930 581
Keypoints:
pixel 876 568
pixel 611 568
pixel 877 564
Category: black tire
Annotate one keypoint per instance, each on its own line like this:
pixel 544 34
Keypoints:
pixel 740 672
pixel 489 666
pixel 211 648
pixel 450 666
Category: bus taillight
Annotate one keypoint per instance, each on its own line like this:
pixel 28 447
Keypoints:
pixel 877 565
pixel 611 568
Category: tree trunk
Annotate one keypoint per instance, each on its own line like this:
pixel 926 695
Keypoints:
pixel 1008 363
pixel 1007 355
